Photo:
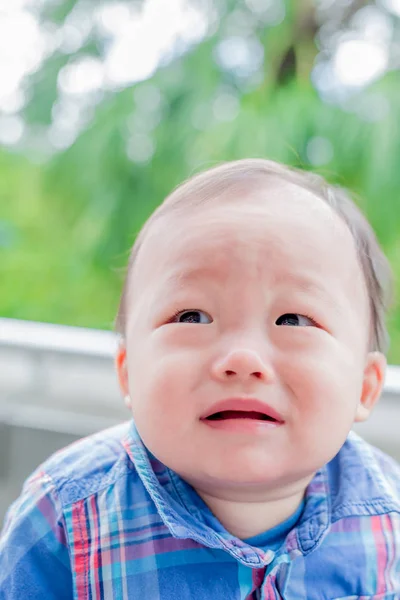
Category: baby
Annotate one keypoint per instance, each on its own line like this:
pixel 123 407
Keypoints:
pixel 252 338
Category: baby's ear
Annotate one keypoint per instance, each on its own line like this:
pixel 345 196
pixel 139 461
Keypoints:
pixel 122 371
pixel 374 377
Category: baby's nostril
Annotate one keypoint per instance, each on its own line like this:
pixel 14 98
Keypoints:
pixel 228 372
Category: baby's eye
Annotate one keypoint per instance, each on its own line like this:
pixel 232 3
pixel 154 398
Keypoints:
pixel 192 316
pixel 295 320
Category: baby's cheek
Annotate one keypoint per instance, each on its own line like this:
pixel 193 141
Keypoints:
pixel 322 372
pixel 171 378
pixel 165 408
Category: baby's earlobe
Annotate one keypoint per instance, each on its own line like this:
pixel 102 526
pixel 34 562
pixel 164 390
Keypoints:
pixel 362 413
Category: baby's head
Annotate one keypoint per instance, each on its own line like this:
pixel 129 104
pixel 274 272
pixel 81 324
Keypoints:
pixel 252 326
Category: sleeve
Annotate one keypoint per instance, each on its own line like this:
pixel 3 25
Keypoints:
pixel 34 556
pixel 393 553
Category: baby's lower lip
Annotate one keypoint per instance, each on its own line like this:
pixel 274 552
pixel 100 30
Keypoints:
pixel 242 425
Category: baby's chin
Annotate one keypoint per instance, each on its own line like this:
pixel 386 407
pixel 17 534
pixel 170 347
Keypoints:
pixel 247 486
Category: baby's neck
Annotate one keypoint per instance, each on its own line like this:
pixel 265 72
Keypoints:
pixel 245 518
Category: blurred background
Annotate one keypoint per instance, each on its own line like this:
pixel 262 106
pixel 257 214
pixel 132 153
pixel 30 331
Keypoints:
pixel 105 106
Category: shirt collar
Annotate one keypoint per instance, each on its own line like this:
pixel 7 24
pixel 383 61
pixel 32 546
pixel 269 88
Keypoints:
pixel 377 476
pixel 182 510
pixel 330 496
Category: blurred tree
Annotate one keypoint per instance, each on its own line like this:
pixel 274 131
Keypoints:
pixel 255 78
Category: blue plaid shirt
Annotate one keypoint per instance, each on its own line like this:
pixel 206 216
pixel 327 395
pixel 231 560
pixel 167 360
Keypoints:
pixel 104 519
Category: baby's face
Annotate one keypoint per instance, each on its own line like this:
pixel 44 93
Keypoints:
pixel 261 303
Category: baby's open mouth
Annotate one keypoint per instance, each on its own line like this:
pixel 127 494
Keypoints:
pixel 240 414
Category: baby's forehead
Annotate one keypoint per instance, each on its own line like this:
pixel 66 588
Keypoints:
pixel 251 231
pixel 277 204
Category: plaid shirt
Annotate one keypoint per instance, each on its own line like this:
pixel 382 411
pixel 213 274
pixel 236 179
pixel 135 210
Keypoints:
pixel 104 519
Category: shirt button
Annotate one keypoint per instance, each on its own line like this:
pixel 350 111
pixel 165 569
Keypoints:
pixel 269 556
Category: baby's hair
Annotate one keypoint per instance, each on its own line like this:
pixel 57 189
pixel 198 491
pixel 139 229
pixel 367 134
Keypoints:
pixel 251 174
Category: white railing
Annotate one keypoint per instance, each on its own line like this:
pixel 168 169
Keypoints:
pixel 62 379
pixel 58 378
pixel 47 337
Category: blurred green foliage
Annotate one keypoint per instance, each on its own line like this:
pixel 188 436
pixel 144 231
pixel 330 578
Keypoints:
pixel 67 224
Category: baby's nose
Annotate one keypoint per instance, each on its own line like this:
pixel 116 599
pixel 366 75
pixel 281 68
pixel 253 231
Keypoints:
pixel 243 364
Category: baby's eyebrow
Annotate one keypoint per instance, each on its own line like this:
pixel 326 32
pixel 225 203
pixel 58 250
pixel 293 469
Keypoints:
pixel 194 274
pixel 314 288
pixel 335 298
pixel 215 274
pixel 212 271
pixel 308 284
